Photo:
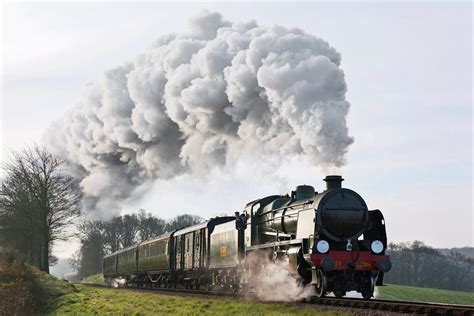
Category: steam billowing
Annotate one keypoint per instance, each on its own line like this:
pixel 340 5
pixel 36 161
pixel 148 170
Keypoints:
pixel 271 280
pixel 203 99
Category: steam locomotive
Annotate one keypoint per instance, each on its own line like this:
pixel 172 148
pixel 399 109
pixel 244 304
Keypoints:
pixel 330 240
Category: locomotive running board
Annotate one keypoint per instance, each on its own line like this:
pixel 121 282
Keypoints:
pixel 276 244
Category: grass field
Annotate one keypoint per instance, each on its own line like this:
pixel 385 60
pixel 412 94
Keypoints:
pixel 95 279
pixel 390 292
pixel 418 294
pixel 100 301
pixel 25 290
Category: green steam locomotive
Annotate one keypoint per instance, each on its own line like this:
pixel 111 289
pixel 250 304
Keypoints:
pixel 329 240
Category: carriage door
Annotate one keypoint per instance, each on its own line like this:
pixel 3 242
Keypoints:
pixel 188 251
pixel 179 252
pixel 205 248
pixel 197 249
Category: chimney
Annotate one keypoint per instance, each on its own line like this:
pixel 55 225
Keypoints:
pixel 333 182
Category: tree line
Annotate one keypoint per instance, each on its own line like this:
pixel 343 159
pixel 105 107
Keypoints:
pixel 417 264
pixel 99 238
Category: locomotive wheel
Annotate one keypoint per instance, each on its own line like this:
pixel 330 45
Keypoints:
pixel 367 294
pixel 321 283
pixel 339 293
pixel 367 288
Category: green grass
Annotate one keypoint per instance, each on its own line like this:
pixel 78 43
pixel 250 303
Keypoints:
pixel 101 301
pixel 90 300
pixel 419 294
pixel 95 279
pixel 51 286
pixel 24 290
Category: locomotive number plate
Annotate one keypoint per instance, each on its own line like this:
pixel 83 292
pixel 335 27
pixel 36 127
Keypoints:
pixel 340 264
pixel 364 265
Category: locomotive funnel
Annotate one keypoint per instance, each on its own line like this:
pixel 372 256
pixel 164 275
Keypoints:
pixel 333 182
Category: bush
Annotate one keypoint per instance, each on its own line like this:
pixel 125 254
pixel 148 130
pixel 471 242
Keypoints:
pixel 18 292
pixel 25 290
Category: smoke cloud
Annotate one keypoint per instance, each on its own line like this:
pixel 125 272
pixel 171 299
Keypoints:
pixel 204 99
pixel 271 281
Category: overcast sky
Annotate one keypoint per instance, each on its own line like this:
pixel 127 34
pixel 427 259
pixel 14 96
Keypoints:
pixel 408 69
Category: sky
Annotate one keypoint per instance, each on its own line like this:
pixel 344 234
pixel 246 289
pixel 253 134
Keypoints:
pixel 408 68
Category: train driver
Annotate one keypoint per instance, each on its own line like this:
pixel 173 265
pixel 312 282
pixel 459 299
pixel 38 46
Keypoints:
pixel 239 222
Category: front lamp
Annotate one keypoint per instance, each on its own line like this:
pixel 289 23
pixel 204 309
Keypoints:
pixel 322 246
pixel 376 246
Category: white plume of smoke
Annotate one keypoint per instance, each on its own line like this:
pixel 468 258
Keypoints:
pixel 271 281
pixel 203 99
pixel 376 292
pixel 116 282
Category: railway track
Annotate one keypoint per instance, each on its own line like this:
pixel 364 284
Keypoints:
pixel 395 306
pixel 353 303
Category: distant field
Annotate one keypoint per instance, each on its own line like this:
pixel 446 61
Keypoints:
pixel 100 301
pixel 95 279
pixel 419 294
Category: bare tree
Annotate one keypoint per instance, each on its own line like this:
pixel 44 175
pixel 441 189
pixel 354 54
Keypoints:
pixel 37 198
pixel 130 230
pixel 149 225
pixel 182 221
pixel 88 260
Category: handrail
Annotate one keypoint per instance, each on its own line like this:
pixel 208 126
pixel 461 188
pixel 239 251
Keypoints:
pixel 285 207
